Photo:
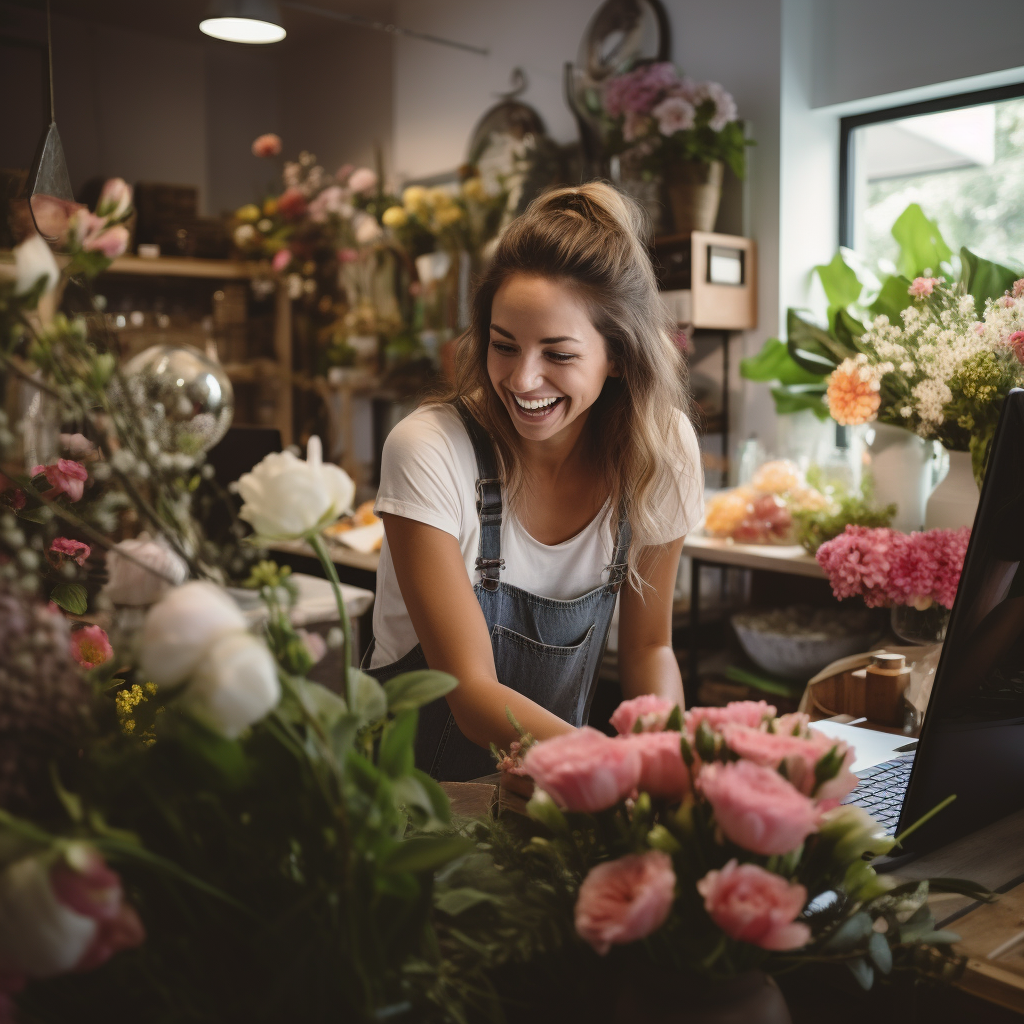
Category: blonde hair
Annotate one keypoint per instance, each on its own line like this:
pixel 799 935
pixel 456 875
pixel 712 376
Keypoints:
pixel 591 237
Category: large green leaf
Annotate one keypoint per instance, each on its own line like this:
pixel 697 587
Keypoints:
pixel 985 279
pixel 396 744
pixel 841 284
pixel 425 853
pixel 774 363
pixel 791 400
pixel 846 328
pixel 414 689
pixel 72 597
pixel 922 247
pixel 368 699
pixel 893 298
pixel 813 347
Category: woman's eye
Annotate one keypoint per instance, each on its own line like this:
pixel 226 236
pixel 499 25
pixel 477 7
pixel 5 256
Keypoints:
pixel 503 347
pixel 561 357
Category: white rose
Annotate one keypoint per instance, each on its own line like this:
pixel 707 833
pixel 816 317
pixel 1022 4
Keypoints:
pixel 286 498
pixel 129 583
pixel 39 935
pixel 33 260
pixel 235 685
pixel 181 628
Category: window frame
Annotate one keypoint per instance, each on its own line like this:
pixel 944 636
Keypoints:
pixel 935 106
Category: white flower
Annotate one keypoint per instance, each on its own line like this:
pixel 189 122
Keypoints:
pixel 286 498
pixel 244 234
pixel 235 685
pixel 674 114
pixel 115 199
pixel 33 260
pixel 129 583
pixel 180 629
pixel 366 228
pixel 362 180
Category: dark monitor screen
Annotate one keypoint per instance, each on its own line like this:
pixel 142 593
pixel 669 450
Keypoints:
pixel 972 743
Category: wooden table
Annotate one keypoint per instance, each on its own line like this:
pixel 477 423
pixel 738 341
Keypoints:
pixel 788 559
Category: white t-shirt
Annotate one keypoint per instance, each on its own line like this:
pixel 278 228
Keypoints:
pixel 429 474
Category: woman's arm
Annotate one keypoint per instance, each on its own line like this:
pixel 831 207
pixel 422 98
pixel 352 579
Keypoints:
pixel 647 663
pixel 453 634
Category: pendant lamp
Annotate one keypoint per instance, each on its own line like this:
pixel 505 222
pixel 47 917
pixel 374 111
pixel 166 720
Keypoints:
pixel 243 21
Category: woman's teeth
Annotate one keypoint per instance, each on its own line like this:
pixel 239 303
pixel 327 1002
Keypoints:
pixel 534 403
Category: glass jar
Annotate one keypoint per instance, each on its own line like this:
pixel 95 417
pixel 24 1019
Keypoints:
pixel 920 627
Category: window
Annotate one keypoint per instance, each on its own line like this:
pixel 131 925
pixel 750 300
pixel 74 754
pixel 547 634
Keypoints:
pixel 960 158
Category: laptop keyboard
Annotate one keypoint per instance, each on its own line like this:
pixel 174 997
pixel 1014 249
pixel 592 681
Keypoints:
pixel 882 789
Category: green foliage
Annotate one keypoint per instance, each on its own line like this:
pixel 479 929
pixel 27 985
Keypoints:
pixel 923 250
pixel 72 597
pixel 984 279
pixel 816 527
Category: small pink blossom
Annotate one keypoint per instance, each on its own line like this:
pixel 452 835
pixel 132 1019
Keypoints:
pixel 75 550
pixel 755 906
pixel 1016 343
pixel 362 180
pixel 584 770
pixel 674 114
pixel 65 476
pixel 742 712
pixel 1017 291
pixel 623 900
pixel 115 200
pixel 267 145
pixel 650 710
pixel 756 808
pixel 922 286
pixel 512 762
pixel 281 260
pixel 90 646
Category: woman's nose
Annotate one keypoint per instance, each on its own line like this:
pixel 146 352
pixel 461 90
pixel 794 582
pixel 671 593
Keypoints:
pixel 526 375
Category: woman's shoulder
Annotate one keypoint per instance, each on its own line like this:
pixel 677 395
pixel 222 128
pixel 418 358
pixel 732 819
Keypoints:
pixel 434 430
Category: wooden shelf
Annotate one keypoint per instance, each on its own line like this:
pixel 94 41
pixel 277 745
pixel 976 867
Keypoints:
pixel 172 266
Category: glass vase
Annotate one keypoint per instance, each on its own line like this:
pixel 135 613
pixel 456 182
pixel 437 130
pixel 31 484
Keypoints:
pixel 920 627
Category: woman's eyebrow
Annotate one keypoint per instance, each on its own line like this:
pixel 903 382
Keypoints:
pixel 543 341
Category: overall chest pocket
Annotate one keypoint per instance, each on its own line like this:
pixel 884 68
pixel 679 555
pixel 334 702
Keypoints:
pixel 552 676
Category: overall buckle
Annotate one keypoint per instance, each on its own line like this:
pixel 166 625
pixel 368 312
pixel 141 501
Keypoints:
pixel 489 569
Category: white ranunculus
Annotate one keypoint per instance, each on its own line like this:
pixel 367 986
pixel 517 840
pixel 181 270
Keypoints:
pixel 180 630
pixel 39 935
pixel 131 584
pixel 33 260
pixel 286 498
pixel 235 685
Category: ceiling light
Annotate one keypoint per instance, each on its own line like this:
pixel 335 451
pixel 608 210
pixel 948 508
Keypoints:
pixel 243 21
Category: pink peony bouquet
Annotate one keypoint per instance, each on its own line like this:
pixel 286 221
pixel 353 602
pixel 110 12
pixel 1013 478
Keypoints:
pixel 716 840
pixel 886 567
pixel 661 117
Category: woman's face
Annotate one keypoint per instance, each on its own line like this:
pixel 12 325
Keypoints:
pixel 546 360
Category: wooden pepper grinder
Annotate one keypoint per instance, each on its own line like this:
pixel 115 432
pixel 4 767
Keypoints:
pixel 887 677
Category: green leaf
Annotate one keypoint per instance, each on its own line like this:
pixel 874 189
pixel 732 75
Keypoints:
pixel 42 514
pixel 456 901
pixel 324 704
pixel 984 279
pixel 813 347
pixel 774 363
pixel 396 745
pixel 922 247
pixel 412 795
pixel 414 689
pixel 789 401
pixel 863 972
pixel 439 803
pixel 846 327
pixel 938 938
pixel 841 284
pixel 369 701
pixel 425 853
pixel 850 934
pixel 674 722
pixel 72 597
pixel 880 953
pixel 893 298
pixel 775 685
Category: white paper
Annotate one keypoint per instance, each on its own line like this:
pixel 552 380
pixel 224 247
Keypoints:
pixel 871 746
pixel 362 538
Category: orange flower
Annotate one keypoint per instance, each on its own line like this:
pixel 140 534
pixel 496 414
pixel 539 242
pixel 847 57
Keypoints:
pixel 853 396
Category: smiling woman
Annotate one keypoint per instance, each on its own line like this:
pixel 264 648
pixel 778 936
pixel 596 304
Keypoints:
pixel 561 465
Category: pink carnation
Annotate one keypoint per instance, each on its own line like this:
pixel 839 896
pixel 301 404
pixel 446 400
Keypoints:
pixel 755 906
pixel 624 900
pixel 65 547
pixel 922 286
pixel 756 808
pixel 64 477
pixel 742 712
pixel 926 567
pixel 90 646
pixel 650 710
pixel 857 563
pixel 663 773
pixel 267 145
pixel 584 770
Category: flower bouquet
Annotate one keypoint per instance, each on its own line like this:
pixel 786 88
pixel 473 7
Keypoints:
pixel 707 844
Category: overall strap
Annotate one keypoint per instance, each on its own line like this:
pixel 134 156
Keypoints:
pixel 618 568
pixel 488 502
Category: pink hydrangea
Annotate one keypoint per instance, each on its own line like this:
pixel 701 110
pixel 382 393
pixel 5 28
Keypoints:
pixel 639 90
pixel 858 561
pixel 742 712
pixel 927 567
pixel 922 286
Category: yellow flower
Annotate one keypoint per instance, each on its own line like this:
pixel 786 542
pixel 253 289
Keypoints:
pixel 473 189
pixel 248 213
pixel 853 396
pixel 414 198
pixel 269 207
pixel 395 217
pixel 439 197
pixel 776 477
pixel 725 511
pixel 448 215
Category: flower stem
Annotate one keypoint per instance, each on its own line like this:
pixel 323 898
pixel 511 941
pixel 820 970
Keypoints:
pixel 316 542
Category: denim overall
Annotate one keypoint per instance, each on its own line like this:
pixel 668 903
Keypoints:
pixel 547 650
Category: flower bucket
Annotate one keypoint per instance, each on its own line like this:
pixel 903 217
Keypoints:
pixel 694 192
pixel 955 501
pixel 901 467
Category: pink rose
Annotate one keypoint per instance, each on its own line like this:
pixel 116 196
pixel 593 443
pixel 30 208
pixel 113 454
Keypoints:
pixel 1016 342
pixel 68 917
pixel 115 199
pixel 281 260
pixel 650 710
pixel 584 770
pixel 922 286
pixel 755 906
pixel 267 145
pixel 64 477
pixel 624 900
pixel 75 550
pixel 757 808
pixel 663 773
pixel 90 646
pixel 743 712
pixel 362 180
pixel 93 235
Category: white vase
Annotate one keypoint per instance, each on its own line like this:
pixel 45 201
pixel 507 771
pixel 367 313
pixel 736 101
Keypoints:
pixel 955 501
pixel 901 464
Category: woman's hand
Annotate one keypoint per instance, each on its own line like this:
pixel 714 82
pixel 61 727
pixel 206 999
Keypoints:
pixel 453 634
pixel 647 663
